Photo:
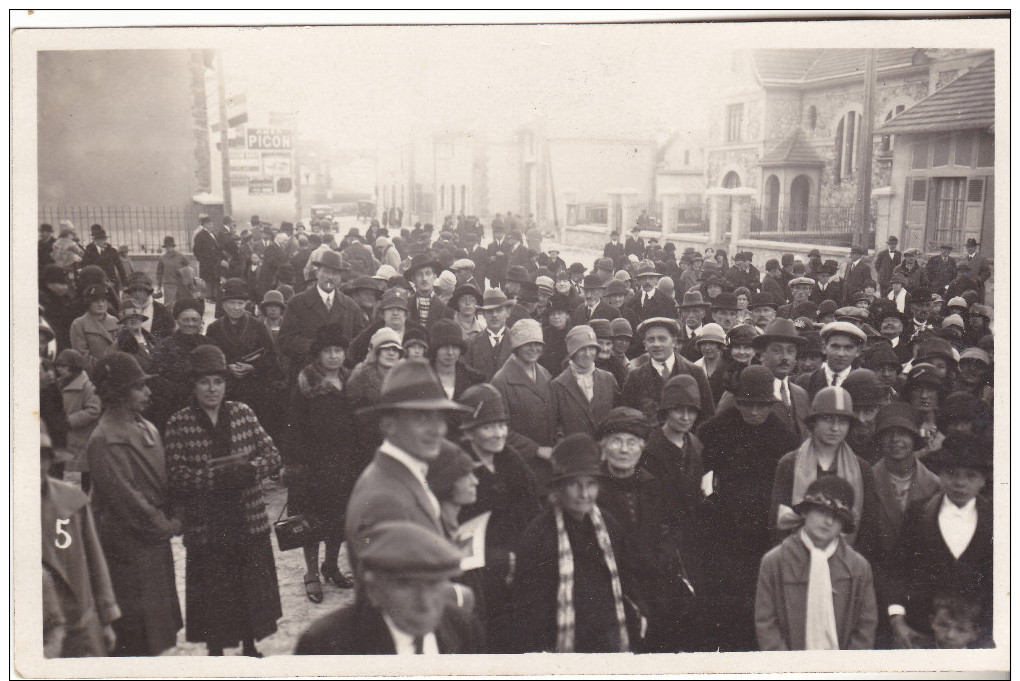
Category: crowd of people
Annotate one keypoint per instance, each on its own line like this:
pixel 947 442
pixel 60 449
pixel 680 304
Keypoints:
pixel 661 452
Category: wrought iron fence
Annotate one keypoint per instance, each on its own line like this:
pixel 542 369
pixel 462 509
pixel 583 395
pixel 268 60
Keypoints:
pixel 828 225
pixel 587 214
pixel 141 228
pixel 691 217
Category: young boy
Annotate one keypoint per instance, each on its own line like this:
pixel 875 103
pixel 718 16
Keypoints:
pixel 954 623
pixel 814 591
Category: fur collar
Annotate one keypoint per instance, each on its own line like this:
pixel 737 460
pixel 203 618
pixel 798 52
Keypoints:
pixel 312 382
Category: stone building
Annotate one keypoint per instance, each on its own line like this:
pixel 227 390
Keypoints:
pixel 783 156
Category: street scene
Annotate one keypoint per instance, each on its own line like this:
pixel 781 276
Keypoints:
pixel 418 359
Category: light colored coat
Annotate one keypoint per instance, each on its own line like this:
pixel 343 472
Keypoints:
pixel 92 337
pixel 573 412
pixel 532 412
pixel 780 608
pixel 83 408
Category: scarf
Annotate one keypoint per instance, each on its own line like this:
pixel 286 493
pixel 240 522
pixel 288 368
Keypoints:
pixel 565 594
pixel 820 631
pixel 585 380
pixel 805 470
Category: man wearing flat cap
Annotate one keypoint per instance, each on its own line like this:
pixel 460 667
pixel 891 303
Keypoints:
pixel 315 307
pixel 400 605
pixel 842 343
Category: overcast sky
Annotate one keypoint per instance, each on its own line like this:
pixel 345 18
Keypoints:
pixel 364 85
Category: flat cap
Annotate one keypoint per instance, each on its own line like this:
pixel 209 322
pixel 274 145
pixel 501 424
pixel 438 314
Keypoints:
pixel 845 328
pixel 406 549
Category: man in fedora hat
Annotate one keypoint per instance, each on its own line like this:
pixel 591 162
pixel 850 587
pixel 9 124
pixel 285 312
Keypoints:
pixel 858 271
pixel 778 349
pixel 315 307
pixel 272 257
pixel 941 268
pixel 842 343
pixel 764 307
pixel 772 282
pixel 593 307
pixel 426 307
pixel 886 261
pixel 101 253
pixel 979 267
pixel 650 301
pixel 742 445
pixel 489 350
pixel 945 546
pixel 614 249
pixel 693 311
pixel 412 411
pixel 168 272
pixel 400 605
pixel 834 608
pixel 497 256
pixel 210 256
pixel 643 388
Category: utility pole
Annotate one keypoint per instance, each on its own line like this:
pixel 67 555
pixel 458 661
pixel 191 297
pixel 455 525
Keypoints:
pixel 866 145
pixel 224 138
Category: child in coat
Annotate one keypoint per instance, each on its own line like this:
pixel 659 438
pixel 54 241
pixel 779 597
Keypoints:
pixel 814 591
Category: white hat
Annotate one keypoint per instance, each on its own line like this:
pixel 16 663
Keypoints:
pixel 526 331
pixel 846 328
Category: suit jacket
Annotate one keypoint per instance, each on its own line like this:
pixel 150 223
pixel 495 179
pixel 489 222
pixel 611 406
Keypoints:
pixel 940 272
pixel 387 490
pixel 359 629
pixel 659 305
pixel 780 608
pixel 922 565
pixel 305 314
pixel 208 254
pixel 496 262
pixel 814 381
pixel 979 267
pixel 884 266
pixel 613 250
pixel 770 284
pixel 482 357
pixel 530 402
pixel 574 413
pixel 856 276
pixel 602 311
pixel 643 389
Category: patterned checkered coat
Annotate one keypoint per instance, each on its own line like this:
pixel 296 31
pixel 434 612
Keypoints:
pixel 189 449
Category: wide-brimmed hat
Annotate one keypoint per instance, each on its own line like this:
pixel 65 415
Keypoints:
pixel 574 456
pixel 407 550
pixel 961 451
pixel 680 391
pixel 205 360
pixel 711 333
pixel 581 336
pixel 525 331
pixel 780 330
pixel 421 261
pixel 331 260
pixel 831 493
pixel 831 401
pixel 725 301
pixel 621 328
pixel 671 325
pixel 485 404
pixel 693 299
pixel 493 299
pixel 763 299
pixel 593 281
pixel 115 373
pixel 412 384
pixel 755 384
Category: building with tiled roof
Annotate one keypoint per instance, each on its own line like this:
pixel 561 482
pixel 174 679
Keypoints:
pixel 783 149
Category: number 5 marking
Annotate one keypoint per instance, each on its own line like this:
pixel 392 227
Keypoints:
pixel 63 539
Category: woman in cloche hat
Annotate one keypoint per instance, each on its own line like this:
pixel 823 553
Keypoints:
pixel 132 503
pixel 320 470
pixel 385 349
pixel 568 562
pixel 217 455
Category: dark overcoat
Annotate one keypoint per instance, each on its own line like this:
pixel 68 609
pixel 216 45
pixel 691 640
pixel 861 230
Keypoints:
pixel 643 389
pixel 484 358
pixel 305 314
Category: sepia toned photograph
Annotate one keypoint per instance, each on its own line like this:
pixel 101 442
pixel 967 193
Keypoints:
pixel 633 345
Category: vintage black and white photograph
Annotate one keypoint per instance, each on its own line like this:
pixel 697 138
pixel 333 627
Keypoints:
pixel 669 344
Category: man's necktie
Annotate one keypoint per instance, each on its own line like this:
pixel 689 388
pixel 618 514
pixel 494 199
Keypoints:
pixel 329 303
pixel 784 392
pixel 833 383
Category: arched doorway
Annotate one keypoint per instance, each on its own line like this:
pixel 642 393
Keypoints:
pixel 771 209
pixel 731 180
pixel 800 196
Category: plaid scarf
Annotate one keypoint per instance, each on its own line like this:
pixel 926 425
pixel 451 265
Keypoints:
pixel 565 595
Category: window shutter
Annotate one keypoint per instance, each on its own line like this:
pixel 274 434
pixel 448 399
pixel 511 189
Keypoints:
pixel 919 192
pixel 975 190
pixel 975 208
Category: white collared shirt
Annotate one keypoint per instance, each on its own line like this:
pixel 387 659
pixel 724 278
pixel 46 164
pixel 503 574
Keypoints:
pixel 778 384
pixel 957 525
pixel 327 298
pixel 840 377
pixel 495 338
pixel 668 364
pixel 419 469
pixel 404 642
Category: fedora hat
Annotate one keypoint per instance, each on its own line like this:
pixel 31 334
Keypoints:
pixel 574 456
pixel 961 451
pixel 485 404
pixel 205 360
pixel 693 299
pixel 755 384
pixel 646 270
pixel 725 301
pixel 831 401
pixel 593 281
pixel 763 299
pixel 493 299
pixel 780 330
pixel 332 260
pixel 830 493
pixel 412 384
pixel 419 262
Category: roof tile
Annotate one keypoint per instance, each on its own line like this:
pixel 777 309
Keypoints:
pixel 965 103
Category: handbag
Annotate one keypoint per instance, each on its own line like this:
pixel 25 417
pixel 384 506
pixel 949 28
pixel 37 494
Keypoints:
pixel 297 530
